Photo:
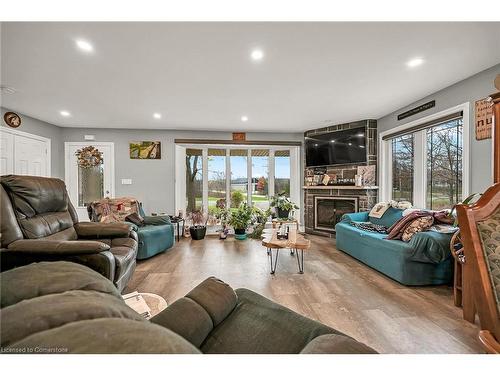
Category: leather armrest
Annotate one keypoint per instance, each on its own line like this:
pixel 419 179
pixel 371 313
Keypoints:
pixel 156 220
pixel 336 344
pixel 102 230
pixel 51 247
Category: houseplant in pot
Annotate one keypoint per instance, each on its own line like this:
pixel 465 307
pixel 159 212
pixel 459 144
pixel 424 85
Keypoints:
pixel 240 219
pixel 222 215
pixel 199 228
pixel 283 206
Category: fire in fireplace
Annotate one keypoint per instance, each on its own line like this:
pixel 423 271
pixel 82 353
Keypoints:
pixel 329 210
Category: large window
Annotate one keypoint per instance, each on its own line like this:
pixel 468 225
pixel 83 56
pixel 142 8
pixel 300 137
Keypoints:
pixel 194 179
pixel 402 168
pixel 217 175
pixel 239 179
pixel 260 178
pixel 444 165
pixel 282 172
pixel 425 163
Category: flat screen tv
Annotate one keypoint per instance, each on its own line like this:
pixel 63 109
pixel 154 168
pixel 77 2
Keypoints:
pixel 341 147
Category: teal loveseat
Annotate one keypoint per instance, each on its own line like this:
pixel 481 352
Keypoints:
pixel 155 236
pixel 424 260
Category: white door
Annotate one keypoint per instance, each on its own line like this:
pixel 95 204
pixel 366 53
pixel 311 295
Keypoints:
pixel 24 153
pixel 88 184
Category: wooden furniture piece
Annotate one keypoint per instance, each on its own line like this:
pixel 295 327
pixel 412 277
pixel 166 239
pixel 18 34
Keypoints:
pixel 462 293
pixel 480 231
pixel 496 137
pixel 295 242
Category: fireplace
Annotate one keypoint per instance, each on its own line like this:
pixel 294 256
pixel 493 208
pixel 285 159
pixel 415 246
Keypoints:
pixel 329 210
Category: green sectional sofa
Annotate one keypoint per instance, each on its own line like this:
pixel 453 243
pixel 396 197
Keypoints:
pixel 62 307
pixel 424 260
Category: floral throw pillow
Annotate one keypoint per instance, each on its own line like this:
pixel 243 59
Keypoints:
pixel 418 225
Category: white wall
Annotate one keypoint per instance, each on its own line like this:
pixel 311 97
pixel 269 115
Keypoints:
pixel 471 89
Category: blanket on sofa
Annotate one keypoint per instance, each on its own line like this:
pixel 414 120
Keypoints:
pixel 407 223
pixel 113 210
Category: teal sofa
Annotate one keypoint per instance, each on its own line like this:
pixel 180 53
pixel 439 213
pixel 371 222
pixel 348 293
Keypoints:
pixel 424 260
pixel 155 236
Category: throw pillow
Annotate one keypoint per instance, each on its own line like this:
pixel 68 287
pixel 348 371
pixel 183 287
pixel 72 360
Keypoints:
pixel 378 210
pixel 418 225
pixel 135 218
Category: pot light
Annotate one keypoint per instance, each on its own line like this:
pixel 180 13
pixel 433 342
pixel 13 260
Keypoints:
pixel 257 55
pixel 84 45
pixel 157 115
pixel 244 118
pixel 64 113
pixel 413 63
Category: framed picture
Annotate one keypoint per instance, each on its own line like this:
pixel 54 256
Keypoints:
pixel 145 150
pixel 483 119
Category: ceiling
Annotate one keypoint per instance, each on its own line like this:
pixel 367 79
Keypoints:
pixel 200 76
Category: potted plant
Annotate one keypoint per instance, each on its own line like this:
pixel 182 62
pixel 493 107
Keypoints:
pixel 283 206
pixel 240 219
pixel 222 214
pixel 199 228
pixel 259 221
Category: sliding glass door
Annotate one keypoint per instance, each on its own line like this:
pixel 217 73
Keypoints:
pixel 215 176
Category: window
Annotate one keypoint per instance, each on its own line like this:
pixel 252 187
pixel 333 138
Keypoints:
pixel 402 168
pixel 260 178
pixel 194 179
pixel 216 177
pixel 239 179
pixel 444 165
pixel 282 172
pixel 425 161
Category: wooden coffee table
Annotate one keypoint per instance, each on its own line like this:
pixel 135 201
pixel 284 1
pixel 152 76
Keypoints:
pixel 295 242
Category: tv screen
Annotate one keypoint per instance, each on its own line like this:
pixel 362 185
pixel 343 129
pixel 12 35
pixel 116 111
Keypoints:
pixel 342 147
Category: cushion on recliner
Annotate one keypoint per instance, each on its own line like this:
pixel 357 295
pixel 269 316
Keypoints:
pixel 257 325
pixel 41 204
pixel 388 218
pixel 54 310
pixel 38 279
pixel 107 335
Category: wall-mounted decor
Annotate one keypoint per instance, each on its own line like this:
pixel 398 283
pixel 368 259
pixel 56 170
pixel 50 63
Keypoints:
pixel 414 111
pixel 497 82
pixel 368 174
pixel 483 118
pixel 12 119
pixel 89 157
pixel 145 150
pixel 239 136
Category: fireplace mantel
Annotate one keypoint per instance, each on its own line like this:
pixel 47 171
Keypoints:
pixel 339 187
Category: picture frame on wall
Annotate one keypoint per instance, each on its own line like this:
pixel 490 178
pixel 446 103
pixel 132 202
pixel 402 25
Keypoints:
pixel 145 150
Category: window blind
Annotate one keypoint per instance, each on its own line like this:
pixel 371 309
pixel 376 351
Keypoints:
pixel 425 125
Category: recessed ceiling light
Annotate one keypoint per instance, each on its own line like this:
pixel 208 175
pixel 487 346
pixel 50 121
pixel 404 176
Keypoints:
pixel 244 118
pixel 65 113
pixel 157 115
pixel 84 45
pixel 413 63
pixel 257 55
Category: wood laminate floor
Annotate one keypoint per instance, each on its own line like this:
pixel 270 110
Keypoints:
pixel 335 289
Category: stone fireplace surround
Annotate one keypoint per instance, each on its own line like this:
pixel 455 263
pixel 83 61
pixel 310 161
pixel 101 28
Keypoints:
pixel 366 196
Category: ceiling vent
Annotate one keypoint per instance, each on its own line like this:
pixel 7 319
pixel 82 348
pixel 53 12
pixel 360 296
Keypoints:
pixel 6 90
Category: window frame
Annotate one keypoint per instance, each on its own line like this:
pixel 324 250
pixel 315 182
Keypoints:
pixel 420 156
pixel 180 172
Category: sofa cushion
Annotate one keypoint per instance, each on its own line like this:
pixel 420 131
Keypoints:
pixel 258 325
pixel 42 313
pixel 107 335
pixel 38 279
pixel 186 318
pixel 124 250
pixel 390 216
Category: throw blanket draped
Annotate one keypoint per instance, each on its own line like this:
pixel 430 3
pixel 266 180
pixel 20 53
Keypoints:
pixel 112 210
pixel 395 232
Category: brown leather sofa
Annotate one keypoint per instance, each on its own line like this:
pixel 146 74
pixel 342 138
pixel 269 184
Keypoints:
pixel 39 223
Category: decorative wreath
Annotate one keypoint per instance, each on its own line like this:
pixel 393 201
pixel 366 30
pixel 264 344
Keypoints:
pixel 89 157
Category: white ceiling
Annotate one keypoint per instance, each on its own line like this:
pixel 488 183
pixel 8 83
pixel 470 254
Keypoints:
pixel 200 76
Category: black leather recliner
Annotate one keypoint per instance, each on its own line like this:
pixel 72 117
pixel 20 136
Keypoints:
pixel 39 223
